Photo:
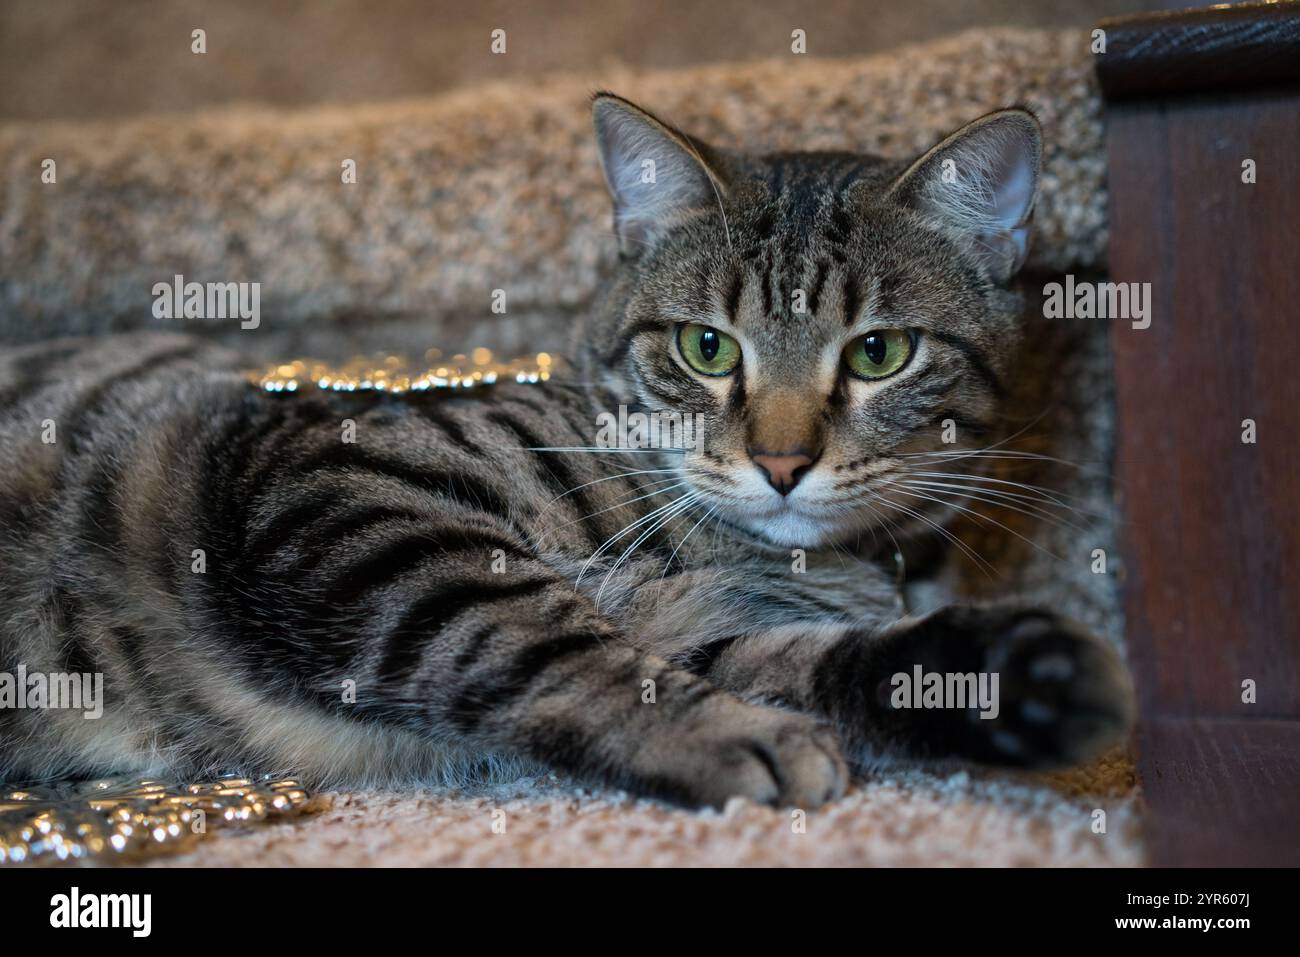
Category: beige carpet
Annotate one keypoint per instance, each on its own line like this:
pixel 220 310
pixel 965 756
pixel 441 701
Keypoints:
pixel 458 195
pixel 907 817
pixel 294 53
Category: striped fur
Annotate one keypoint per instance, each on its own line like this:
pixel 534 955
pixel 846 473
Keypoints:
pixel 481 595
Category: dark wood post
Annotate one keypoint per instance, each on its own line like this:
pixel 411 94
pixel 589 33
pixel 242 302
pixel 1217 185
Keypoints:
pixel 1203 117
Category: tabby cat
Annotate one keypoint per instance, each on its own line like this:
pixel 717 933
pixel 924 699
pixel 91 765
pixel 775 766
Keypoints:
pixel 691 623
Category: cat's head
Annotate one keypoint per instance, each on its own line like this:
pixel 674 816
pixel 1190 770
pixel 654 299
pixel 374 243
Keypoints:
pixel 829 318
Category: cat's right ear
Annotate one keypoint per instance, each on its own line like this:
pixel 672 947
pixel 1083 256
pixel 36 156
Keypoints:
pixel 656 175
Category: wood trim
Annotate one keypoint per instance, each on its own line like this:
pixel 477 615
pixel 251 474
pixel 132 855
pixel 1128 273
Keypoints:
pixel 1216 789
pixel 1209 50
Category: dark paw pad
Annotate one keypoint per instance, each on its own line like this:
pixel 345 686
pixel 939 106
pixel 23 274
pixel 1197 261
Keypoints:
pixel 1063 695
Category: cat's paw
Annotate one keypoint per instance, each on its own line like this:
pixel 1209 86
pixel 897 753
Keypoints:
pixel 769 756
pixel 1064 695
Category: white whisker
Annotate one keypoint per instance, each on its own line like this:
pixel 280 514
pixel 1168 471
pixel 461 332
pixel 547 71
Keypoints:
pixel 1046 495
pixel 648 517
pixel 583 448
pixel 609 478
pixel 979 515
pixel 1008 500
pixel 676 508
pixel 979 560
pixel 610 508
pixel 668 564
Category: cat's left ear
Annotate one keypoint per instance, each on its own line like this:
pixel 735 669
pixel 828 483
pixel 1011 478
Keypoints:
pixel 981 182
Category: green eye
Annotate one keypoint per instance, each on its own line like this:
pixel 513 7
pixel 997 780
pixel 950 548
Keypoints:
pixel 878 354
pixel 708 351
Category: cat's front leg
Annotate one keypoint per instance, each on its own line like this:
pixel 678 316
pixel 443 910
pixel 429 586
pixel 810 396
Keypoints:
pixel 1020 687
pixel 519 664
pixel 611 713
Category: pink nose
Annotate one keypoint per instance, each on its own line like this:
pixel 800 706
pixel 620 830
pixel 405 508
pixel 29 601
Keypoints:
pixel 783 471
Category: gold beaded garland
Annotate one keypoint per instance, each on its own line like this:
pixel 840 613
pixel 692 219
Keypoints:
pixel 126 818
pixel 395 374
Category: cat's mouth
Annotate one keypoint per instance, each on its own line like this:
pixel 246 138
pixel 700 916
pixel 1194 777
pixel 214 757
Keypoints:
pixel 789 527
pixel 802 518
pixel 797 523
